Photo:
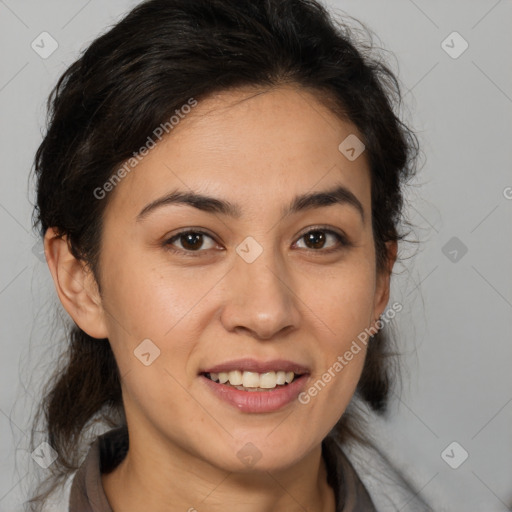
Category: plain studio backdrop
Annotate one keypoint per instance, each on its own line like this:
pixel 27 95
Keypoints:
pixel 450 427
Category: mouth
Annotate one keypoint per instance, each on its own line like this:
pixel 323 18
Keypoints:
pixel 253 386
pixel 254 381
pixel 252 375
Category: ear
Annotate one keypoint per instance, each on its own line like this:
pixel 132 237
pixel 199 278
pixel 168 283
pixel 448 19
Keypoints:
pixel 383 280
pixel 75 284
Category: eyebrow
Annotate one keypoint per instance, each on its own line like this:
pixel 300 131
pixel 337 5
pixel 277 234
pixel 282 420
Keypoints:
pixel 338 195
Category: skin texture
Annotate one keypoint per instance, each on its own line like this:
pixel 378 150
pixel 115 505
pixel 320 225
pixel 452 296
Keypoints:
pixel 257 149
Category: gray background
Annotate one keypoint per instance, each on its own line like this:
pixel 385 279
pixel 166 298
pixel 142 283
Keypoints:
pixel 455 329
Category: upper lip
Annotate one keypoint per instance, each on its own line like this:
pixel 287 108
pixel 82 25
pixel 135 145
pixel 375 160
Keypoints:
pixel 252 365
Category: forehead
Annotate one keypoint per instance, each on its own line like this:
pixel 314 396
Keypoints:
pixel 250 146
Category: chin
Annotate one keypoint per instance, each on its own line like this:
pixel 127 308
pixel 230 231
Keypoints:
pixel 259 453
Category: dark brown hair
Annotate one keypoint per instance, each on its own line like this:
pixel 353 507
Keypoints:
pixel 131 80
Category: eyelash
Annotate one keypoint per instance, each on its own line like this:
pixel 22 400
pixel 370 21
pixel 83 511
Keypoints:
pixel 342 240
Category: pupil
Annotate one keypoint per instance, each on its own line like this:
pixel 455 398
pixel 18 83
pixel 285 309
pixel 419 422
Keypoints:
pixel 192 240
pixel 317 238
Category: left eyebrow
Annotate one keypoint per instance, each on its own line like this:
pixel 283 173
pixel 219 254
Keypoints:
pixel 338 195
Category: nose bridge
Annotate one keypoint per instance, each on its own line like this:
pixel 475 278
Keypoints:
pixel 261 299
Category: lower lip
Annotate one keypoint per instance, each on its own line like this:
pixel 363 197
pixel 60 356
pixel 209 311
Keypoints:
pixel 257 401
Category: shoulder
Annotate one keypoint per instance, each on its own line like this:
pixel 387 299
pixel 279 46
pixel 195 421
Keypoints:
pixel 86 493
pixel 387 485
pixel 59 500
pixel 350 492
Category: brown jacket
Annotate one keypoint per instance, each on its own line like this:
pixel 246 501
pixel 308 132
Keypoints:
pixel 109 449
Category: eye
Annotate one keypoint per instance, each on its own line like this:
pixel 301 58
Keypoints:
pixel 316 239
pixel 191 241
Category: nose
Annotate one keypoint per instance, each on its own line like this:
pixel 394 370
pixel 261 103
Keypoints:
pixel 260 298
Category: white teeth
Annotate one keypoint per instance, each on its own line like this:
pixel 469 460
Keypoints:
pixel 235 378
pixel 280 377
pixel 268 380
pixel 223 377
pixel 253 380
pixel 250 380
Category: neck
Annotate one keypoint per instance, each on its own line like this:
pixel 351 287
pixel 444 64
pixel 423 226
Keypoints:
pixel 160 481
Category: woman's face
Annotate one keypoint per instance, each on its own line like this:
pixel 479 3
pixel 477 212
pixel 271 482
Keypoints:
pixel 263 282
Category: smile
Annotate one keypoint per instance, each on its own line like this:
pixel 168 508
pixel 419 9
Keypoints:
pixel 253 381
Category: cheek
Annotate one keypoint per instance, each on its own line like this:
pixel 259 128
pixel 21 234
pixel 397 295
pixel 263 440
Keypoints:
pixel 343 306
pixel 146 300
pixel 153 336
pixel 342 300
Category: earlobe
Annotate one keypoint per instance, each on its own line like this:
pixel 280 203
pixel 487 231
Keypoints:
pixel 75 284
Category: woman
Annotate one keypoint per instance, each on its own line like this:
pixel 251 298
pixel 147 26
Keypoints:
pixel 220 192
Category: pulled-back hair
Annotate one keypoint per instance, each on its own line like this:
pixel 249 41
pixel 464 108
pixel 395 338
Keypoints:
pixel 131 80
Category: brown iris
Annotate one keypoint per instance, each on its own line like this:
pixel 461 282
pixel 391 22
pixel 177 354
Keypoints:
pixel 317 238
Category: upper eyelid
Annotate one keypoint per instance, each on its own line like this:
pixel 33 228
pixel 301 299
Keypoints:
pixel 189 230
